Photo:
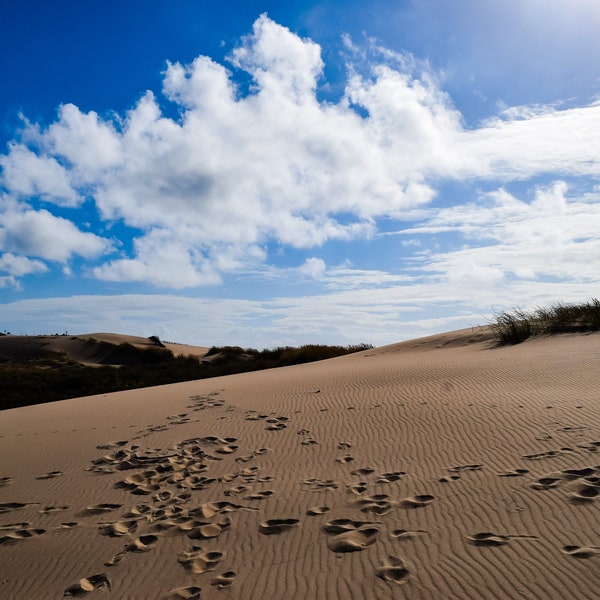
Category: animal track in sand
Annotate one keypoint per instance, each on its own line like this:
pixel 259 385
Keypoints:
pixel 199 561
pixel 581 551
pixel 276 526
pixel 5 481
pixel 190 592
pixel 50 475
pixel 344 446
pixel 417 501
pixel 394 569
pixel 89 584
pixel 224 580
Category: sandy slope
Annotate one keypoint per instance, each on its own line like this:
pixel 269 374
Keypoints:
pixel 436 469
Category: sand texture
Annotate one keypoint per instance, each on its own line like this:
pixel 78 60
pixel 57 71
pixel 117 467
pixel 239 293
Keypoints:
pixel 442 468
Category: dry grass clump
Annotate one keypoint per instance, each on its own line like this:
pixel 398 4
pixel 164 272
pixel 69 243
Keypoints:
pixel 518 325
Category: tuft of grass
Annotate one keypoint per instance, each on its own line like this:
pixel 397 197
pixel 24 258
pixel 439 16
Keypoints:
pixel 516 326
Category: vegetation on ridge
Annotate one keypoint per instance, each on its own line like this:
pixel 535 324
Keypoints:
pixel 518 325
pixel 56 377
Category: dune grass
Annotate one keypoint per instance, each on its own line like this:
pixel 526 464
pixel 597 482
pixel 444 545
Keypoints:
pixel 518 325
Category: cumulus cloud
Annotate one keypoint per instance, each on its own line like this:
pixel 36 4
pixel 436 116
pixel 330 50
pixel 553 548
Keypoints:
pixel 39 233
pixel 204 193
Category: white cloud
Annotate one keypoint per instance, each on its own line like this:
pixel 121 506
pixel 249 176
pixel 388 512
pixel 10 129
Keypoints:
pixel 205 193
pixel 41 234
pixel 28 174
pixel 553 236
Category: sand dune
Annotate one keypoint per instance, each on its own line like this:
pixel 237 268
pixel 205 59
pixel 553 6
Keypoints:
pixel 441 468
pixel 89 348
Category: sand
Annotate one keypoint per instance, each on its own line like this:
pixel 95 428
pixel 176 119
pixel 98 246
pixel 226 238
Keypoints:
pixel 442 468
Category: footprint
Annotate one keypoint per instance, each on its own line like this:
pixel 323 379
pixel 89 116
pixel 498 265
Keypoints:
pixel 488 539
pixel 16 535
pixel 98 509
pixel 347 458
pixel 417 501
pixel 50 475
pixel 313 511
pixel 355 540
pixel 546 483
pixel 142 544
pixel 46 510
pixel 548 454
pixel 210 530
pixel 390 477
pixel 5 481
pixel 68 525
pixel 378 504
pixel 277 423
pixel 449 478
pixel 465 468
pixel 403 534
pixel 321 485
pixel 275 526
pixel 344 446
pixel 514 473
pixel 357 488
pixel 89 584
pixel 191 592
pixel 224 580
pixel 118 529
pixel 259 495
pixel 581 551
pixel 394 570
pixel 198 561
pixel 363 471
pixel 10 506
pixel 584 494
pixel 496 539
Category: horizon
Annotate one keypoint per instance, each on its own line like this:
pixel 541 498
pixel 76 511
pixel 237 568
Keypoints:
pixel 321 172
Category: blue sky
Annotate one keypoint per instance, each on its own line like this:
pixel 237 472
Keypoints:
pixel 276 173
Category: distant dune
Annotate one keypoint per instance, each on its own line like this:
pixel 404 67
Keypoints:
pixel 91 348
pixel 446 468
